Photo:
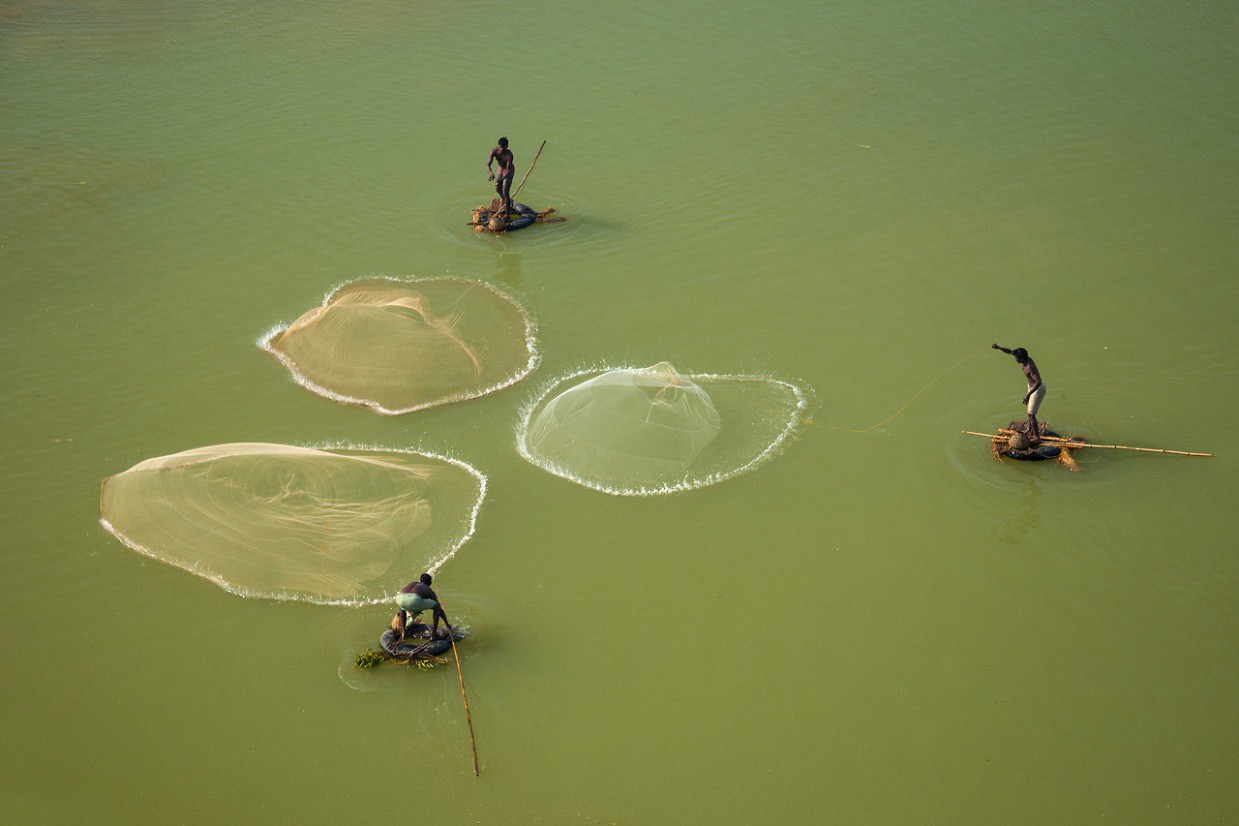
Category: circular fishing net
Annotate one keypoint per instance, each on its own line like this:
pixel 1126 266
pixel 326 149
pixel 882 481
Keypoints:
pixel 400 346
pixel 642 431
pixel 338 525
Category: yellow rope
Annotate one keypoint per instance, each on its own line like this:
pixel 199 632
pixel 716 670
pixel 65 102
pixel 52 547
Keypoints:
pixel 914 398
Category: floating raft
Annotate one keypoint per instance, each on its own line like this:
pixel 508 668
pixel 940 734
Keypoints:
pixel 417 644
pixel 490 217
pixel 1051 445
pixel 1001 445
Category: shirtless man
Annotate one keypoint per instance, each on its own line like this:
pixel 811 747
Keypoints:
pixel 507 171
pixel 1036 388
pixel 415 598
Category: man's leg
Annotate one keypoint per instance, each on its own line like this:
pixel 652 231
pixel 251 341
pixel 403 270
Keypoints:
pixel 1034 404
pixel 507 192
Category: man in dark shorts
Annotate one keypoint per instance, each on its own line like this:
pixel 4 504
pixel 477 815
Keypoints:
pixel 415 598
pixel 1036 388
pixel 507 171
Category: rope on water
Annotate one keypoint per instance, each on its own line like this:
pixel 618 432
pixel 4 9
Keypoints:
pixel 914 397
pixel 527 171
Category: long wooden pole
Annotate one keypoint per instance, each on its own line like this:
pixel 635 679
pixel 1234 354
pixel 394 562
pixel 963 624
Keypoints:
pixel 527 171
pixel 468 717
pixel 1075 443
pixel 1069 443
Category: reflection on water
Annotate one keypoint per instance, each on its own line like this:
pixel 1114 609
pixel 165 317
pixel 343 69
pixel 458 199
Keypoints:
pixel 1022 513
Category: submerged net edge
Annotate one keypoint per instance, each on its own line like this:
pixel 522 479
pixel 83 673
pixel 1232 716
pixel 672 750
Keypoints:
pixel 805 403
pixel 285 596
pixel 267 339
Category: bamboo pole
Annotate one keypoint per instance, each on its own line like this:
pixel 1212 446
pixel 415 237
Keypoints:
pixel 468 717
pixel 1075 443
pixel 1070 443
pixel 527 171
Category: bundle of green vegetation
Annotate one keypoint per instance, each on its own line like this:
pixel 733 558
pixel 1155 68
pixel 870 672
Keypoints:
pixel 370 658
pixel 374 657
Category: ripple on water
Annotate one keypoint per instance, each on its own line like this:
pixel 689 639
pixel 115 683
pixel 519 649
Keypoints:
pixel 435 689
pixel 972 459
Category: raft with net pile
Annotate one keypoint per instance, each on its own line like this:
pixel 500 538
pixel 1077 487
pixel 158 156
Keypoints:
pixel 492 218
pixel 1012 442
pixel 417 644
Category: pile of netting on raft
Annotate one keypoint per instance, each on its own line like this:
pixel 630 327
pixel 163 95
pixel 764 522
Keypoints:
pixel 1014 442
pixel 642 431
pixel 400 346
pixel 333 525
pixel 493 217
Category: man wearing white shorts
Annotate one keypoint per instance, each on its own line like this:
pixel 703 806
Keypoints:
pixel 1036 388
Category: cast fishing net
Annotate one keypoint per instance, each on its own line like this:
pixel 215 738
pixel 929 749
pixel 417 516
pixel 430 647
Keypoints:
pixel 399 346
pixel 336 525
pixel 641 431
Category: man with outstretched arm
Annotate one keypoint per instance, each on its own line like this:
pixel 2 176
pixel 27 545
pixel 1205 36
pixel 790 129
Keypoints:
pixel 415 598
pixel 1036 388
pixel 507 171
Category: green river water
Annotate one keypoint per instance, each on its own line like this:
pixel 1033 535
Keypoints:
pixel 876 627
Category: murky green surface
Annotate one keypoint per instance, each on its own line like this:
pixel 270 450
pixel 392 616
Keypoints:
pixel 881 627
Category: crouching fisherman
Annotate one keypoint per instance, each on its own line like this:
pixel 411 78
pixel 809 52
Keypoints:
pixel 415 598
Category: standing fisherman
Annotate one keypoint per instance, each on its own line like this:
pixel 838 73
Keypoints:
pixel 1036 388
pixel 415 598
pixel 507 171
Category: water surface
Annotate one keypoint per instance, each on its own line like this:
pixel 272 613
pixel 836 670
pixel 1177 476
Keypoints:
pixel 881 627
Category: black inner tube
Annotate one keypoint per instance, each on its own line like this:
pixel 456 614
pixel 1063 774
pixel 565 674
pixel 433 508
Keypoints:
pixel 417 643
pixel 1038 453
pixel 527 217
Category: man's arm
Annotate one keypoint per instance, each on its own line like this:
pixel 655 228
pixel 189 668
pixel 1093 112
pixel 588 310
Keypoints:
pixel 490 161
pixel 1004 349
pixel 438 609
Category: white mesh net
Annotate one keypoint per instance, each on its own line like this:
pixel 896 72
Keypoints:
pixel 639 431
pixel 323 525
pixel 642 426
pixel 399 346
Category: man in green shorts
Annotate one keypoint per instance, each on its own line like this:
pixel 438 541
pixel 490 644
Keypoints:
pixel 415 598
